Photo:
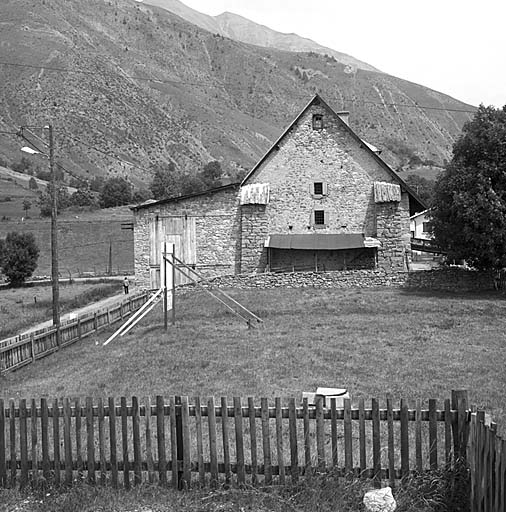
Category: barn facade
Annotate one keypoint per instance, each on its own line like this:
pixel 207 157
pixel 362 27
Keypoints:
pixel 320 199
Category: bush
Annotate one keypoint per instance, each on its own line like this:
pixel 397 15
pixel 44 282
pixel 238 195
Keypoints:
pixel 115 192
pixel 18 256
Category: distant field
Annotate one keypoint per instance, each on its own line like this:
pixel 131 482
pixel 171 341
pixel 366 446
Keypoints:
pixel 21 308
pixel 373 342
pixel 13 208
pixel 83 241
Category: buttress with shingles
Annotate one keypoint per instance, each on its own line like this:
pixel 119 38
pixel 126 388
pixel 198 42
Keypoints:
pixel 320 198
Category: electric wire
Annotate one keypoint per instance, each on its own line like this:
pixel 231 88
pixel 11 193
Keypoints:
pixel 181 82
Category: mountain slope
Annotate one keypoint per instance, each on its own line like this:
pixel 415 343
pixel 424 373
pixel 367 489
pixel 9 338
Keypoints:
pixel 145 86
pixel 241 29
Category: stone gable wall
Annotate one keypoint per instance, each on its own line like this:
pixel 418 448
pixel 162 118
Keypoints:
pixel 335 157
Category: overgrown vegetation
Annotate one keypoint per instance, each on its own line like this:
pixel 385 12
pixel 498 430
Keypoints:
pixel 433 491
pixel 18 256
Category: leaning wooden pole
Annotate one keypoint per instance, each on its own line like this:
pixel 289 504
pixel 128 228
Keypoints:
pixel 165 313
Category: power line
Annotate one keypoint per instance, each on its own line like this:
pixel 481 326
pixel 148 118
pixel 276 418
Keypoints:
pixel 203 84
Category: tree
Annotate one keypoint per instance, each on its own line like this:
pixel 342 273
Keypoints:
pixel 469 208
pixel 83 197
pixel 423 187
pixel 18 256
pixel 211 174
pixel 32 184
pixel 141 195
pixel 27 204
pixel 45 201
pixel 165 182
pixel 115 192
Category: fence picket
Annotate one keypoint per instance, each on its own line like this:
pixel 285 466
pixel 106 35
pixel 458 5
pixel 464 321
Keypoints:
pixel 200 444
pixel 160 438
pixel 404 439
pixel 173 442
pixel 79 458
pixel 253 440
pixel 12 432
pixel 67 440
pixel 361 436
pixel 101 441
pixel 307 436
pixel 211 419
pixel 266 441
pixel 418 436
pixel 56 441
pixel 185 417
pixel 136 441
pixel 3 461
pixel 279 440
pixel 124 442
pixel 348 438
pixel 294 454
pixel 376 442
pixel 23 443
pixel 432 434
pixel 333 431
pixel 149 446
pixel 448 431
pixel 239 442
pixel 390 444
pixel 90 441
pixel 113 441
pixel 320 434
pixel 225 438
pixel 35 441
pixel 44 434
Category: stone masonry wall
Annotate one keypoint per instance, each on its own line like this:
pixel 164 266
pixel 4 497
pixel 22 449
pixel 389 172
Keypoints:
pixel 450 280
pixel 255 231
pixel 217 222
pixel 332 156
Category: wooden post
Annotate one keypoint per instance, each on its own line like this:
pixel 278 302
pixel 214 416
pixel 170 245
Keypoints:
pixel 32 346
pixel 460 427
pixel 173 284
pixel 179 441
pixel 165 312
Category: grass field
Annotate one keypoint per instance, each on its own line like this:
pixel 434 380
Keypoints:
pixel 371 341
pixel 21 308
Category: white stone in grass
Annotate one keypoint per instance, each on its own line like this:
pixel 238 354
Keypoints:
pixel 380 500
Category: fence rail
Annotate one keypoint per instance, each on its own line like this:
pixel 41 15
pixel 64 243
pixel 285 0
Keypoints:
pixel 487 461
pixel 24 349
pixel 183 442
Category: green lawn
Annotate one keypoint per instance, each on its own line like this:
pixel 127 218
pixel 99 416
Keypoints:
pixel 373 342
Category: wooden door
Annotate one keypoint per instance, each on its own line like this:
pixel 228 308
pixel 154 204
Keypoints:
pixel 177 231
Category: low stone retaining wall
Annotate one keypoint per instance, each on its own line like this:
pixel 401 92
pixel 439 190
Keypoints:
pixel 458 280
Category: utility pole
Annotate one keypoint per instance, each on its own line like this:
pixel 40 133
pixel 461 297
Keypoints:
pixel 54 240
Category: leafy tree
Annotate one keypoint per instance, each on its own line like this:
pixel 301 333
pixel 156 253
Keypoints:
pixel 141 195
pixel 422 186
pixel 165 182
pixel 83 197
pixel 191 184
pixel 18 256
pixel 27 204
pixel 32 184
pixel 115 192
pixel 211 174
pixel 45 201
pixel 469 209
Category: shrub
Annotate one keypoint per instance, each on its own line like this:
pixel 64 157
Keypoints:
pixel 18 256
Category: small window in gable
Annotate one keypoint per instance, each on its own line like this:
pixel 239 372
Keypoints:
pixel 317 121
pixel 319 217
pixel 318 189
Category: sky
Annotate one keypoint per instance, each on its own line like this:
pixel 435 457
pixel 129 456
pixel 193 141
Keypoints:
pixel 457 47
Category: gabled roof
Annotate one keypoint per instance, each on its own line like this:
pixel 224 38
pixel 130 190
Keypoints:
pixel 416 203
pixel 175 199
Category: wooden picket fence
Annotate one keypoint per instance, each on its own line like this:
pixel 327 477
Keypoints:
pixel 21 350
pixel 487 462
pixel 183 442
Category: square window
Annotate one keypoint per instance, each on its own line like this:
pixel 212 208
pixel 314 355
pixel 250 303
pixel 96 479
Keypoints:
pixel 318 188
pixel 319 217
pixel 317 121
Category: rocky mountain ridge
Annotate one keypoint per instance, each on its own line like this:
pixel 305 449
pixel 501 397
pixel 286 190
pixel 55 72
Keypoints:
pixel 123 81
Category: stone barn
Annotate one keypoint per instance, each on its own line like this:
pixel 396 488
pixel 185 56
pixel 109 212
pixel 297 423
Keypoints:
pixel 320 199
